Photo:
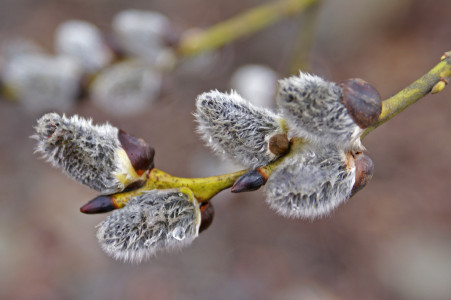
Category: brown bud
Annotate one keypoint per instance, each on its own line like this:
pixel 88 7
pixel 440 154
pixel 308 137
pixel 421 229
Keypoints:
pixel 362 101
pixel 138 151
pixel 251 181
pixel 364 170
pixel 134 186
pixel 279 144
pixel 100 204
pixel 207 214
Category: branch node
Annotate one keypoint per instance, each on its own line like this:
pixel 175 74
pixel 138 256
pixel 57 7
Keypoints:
pixel 445 55
pixel 439 86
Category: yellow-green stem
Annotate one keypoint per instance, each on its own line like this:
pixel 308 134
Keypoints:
pixel 241 25
pixel 203 188
pixel 414 92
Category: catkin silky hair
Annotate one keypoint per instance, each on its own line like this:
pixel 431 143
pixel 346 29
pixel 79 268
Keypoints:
pixel 311 183
pixel 151 222
pixel 91 154
pixel 232 126
pixel 315 111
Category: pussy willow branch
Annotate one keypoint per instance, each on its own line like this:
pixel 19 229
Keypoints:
pixel 205 188
pixel 241 25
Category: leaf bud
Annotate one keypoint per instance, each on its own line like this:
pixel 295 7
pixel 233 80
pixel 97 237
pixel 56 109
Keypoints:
pixel 362 101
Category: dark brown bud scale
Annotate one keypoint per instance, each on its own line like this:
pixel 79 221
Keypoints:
pixel 207 214
pixel 138 151
pixel 134 186
pixel 279 144
pixel 364 170
pixel 362 101
pixel 98 205
pixel 251 181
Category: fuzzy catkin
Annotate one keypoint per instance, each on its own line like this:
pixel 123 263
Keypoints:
pixel 314 110
pixel 233 127
pixel 311 183
pixel 151 222
pixel 42 82
pixel 85 152
pixel 83 42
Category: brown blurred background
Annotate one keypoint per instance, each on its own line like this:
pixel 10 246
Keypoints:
pixel 391 241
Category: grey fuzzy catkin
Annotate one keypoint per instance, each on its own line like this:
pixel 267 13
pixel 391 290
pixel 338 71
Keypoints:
pixel 85 152
pixel 235 128
pixel 314 110
pixel 151 222
pixel 311 183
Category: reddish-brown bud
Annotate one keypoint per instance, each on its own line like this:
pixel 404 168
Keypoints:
pixel 364 170
pixel 279 144
pixel 98 205
pixel 251 181
pixel 138 151
pixel 362 101
pixel 207 214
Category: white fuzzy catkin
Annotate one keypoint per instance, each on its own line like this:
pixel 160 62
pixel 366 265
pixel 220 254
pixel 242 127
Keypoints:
pixel 311 183
pixel 314 110
pixel 142 34
pixel 85 152
pixel 126 88
pixel 155 221
pixel 84 42
pixel 42 82
pixel 233 127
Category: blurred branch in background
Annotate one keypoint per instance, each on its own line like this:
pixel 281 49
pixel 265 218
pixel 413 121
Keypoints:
pixel 241 25
pixel 301 56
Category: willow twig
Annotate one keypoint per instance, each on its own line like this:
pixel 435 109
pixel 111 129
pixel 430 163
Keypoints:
pixel 434 80
pixel 241 25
